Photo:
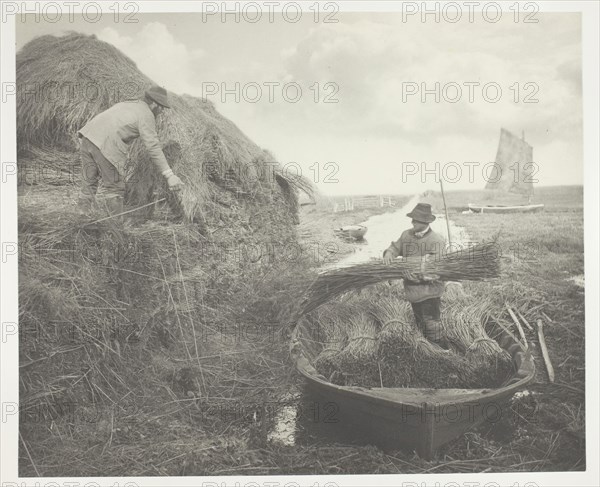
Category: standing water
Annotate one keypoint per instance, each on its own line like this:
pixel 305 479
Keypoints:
pixel 387 227
pixel 381 230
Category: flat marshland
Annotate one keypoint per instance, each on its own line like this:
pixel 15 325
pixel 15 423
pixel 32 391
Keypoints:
pixel 200 390
pixel 159 346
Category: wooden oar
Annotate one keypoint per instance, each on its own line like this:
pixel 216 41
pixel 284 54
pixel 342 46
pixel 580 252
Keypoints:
pixel 511 334
pixel 521 332
pixel 524 320
pixel 544 348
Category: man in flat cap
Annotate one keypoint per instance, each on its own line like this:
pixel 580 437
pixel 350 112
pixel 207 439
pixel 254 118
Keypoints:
pixel 105 142
pixel 422 291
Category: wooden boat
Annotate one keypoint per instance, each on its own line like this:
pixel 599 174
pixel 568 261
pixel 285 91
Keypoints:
pixel 419 420
pixel 458 209
pixel 353 231
pixel 505 209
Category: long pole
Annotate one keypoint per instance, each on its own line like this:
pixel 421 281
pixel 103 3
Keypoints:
pixel 544 348
pixel 125 212
pixel 446 212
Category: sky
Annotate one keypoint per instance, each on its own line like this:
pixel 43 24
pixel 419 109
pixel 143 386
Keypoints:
pixel 363 121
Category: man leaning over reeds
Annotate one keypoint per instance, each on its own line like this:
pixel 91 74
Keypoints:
pixel 105 141
pixel 423 291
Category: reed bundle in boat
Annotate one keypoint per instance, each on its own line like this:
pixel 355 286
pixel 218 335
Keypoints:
pixel 349 348
pixel 398 338
pixel 415 359
pixel 331 330
pixel 359 358
pixel 463 319
pixel 362 337
pixel 377 343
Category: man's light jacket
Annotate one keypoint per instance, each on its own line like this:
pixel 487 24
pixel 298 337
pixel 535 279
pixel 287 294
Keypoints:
pixel 113 130
pixel 409 245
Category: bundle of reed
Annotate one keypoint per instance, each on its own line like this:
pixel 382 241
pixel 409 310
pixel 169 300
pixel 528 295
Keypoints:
pixel 462 322
pixel 495 364
pixel 362 337
pixel 398 339
pixel 440 369
pixel 412 359
pixel 400 356
pixel 473 264
pixel 358 360
pixel 331 330
pixel 454 290
pixel 331 326
pixel 464 319
pixel 398 334
pixel 396 373
pixel 349 337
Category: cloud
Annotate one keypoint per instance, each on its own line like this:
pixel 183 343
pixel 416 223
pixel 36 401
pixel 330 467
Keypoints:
pixel 369 61
pixel 374 62
pixel 372 126
pixel 159 55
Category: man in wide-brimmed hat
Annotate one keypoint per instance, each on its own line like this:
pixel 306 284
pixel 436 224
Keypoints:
pixel 423 291
pixel 105 141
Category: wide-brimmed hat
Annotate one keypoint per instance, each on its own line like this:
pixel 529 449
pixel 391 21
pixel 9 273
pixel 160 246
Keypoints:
pixel 422 213
pixel 159 95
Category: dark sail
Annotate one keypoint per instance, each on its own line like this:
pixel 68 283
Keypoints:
pixel 514 165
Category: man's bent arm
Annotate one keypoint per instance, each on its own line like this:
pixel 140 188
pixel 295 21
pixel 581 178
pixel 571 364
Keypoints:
pixel 152 143
pixel 395 249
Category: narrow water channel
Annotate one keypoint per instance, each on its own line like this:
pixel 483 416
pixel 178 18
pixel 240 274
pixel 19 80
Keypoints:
pixel 387 227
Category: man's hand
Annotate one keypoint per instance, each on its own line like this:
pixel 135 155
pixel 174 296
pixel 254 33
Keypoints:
pixel 175 184
pixel 412 276
pixel 388 258
pixel 420 277
pixel 424 276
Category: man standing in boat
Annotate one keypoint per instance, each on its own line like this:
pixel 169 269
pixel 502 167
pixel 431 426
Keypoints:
pixel 424 292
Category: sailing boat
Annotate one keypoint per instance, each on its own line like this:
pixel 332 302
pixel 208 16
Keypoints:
pixel 514 170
